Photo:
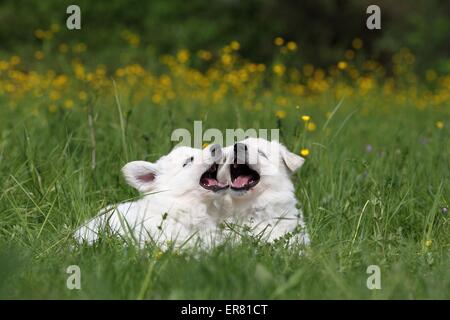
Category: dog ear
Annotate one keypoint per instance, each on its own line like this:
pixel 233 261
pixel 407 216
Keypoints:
pixel 292 161
pixel 140 175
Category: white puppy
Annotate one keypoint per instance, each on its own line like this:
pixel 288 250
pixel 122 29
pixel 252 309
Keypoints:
pixel 261 194
pixel 179 191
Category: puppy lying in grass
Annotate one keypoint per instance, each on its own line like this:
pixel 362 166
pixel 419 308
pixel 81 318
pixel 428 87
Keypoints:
pixel 178 200
pixel 261 195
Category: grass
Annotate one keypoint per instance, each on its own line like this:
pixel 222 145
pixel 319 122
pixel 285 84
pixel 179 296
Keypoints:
pixel 374 187
pixel 362 208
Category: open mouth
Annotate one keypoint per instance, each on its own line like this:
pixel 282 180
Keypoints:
pixel 243 177
pixel 209 181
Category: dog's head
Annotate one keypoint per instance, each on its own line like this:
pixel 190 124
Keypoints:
pixel 255 164
pixel 184 171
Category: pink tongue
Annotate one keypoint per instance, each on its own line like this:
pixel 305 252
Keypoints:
pixel 241 181
pixel 209 181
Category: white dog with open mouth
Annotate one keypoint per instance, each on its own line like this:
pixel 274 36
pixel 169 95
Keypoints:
pixel 178 203
pixel 261 194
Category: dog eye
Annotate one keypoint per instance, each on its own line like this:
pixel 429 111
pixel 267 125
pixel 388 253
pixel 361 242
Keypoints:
pixel 189 160
pixel 262 153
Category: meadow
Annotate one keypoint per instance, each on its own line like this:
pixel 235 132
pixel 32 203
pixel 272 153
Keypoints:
pixel 374 189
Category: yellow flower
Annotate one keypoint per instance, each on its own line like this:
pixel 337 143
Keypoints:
pixel 261 67
pixel 3 65
pixel 304 152
pixel 156 98
pixel 68 104
pixel 342 65
pixel 428 243
pixel 10 87
pixel 280 114
pixel 15 60
pixel 281 101
pixel 54 95
pixel 235 45
pixel 204 55
pixel 165 80
pixel 60 81
pixel 440 124
pixel 306 118
pixel 82 95
pixel 311 126
pixel 226 59
pixel 39 55
pixel 120 72
pixel 308 69
pixel 205 145
pixel 79 48
pixel 52 108
pixel 158 255
pixel 89 77
pixel 279 69
pixel 100 71
pixel 134 40
pixel 48 34
pixel 354 74
pixel 349 54
pixel 319 74
pixel 79 71
pixel 54 27
pixel 183 56
pixel 278 41
pixel 357 43
pixel 63 48
pixel 39 33
pixel 292 46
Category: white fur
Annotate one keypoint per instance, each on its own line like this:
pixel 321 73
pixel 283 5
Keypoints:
pixel 270 207
pixel 174 207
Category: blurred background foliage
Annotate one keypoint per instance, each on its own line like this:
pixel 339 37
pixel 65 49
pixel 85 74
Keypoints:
pixel 322 29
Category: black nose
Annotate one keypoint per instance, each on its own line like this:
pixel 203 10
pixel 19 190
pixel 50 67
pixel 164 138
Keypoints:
pixel 216 151
pixel 240 153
